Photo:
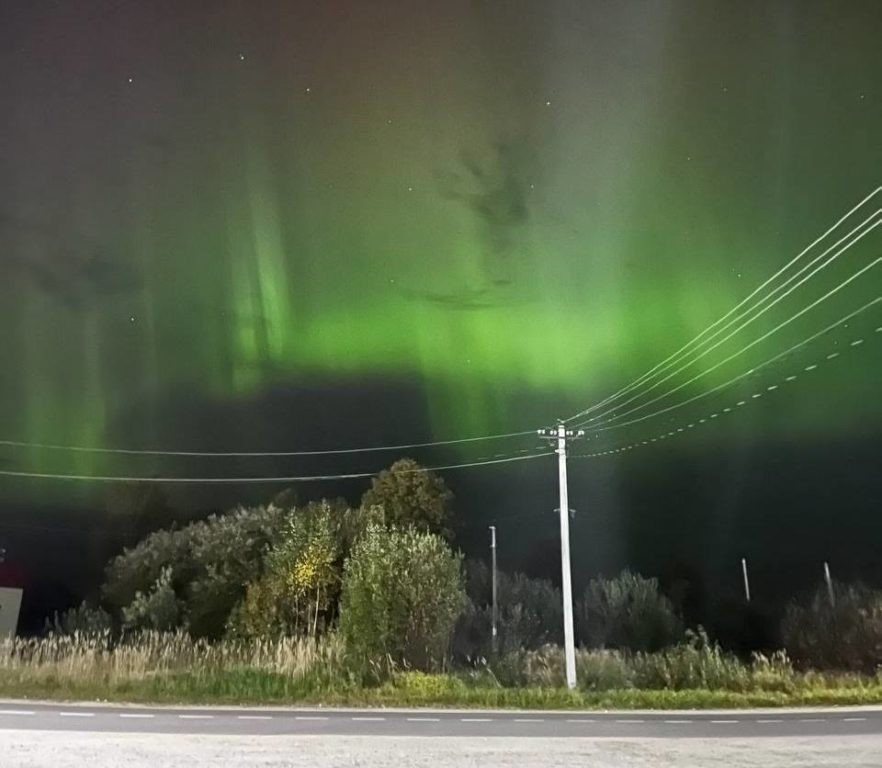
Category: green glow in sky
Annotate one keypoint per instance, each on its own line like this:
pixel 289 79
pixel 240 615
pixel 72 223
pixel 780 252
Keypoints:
pixel 487 204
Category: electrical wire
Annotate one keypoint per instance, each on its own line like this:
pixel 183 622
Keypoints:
pixel 740 376
pixel 258 454
pixel 753 343
pixel 659 366
pixel 243 480
pixel 720 412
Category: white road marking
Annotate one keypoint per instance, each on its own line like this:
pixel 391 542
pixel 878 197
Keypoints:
pixel 476 719
pixel 423 719
pixel 255 717
pixel 310 717
pixel 76 714
pixel 812 720
pixel 529 720
pixel 196 717
pixel 769 721
pixel 16 712
pixel 134 715
pixel 678 722
pixel 853 719
pixel 723 722
pixel 369 719
pixel 583 720
pixel 630 721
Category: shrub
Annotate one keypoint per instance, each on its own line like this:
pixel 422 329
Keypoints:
pixel 626 612
pixel 301 582
pixel 844 636
pixel 402 592
pixel 83 619
pixel 208 563
pixel 159 609
pixel 530 614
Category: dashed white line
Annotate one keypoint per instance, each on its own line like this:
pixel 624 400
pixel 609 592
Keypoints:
pixel 255 717
pixel 723 722
pixel 476 719
pixel 16 712
pixel 310 717
pixel 580 720
pixel 768 721
pixel 76 714
pixel 812 720
pixel 423 719
pixel 630 721
pixel 853 719
pixel 369 719
pixel 196 717
pixel 529 720
pixel 678 722
pixel 136 715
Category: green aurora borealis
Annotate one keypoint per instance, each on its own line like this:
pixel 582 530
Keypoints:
pixel 510 208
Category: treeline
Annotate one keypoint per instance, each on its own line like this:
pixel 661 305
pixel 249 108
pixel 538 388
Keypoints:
pixel 385 577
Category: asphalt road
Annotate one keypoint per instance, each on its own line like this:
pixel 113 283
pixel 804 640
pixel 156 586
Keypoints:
pixel 729 724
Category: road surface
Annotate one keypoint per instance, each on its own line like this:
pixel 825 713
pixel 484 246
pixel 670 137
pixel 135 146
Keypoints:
pixel 42 735
pixel 99 718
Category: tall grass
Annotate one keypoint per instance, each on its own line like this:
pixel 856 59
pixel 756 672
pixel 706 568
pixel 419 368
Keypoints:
pixel 155 661
pixel 176 668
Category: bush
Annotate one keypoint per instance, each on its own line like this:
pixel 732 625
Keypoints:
pixel 84 620
pixel 844 636
pixel 626 612
pixel 301 583
pixel 159 609
pixel 402 592
pixel 530 614
pixel 208 564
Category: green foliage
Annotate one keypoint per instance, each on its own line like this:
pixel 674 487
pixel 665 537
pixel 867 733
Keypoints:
pixel 411 496
pixel 530 613
pixel 843 636
pixel 402 593
pixel 299 589
pixel 159 609
pixel 626 612
pixel 209 564
pixel 83 619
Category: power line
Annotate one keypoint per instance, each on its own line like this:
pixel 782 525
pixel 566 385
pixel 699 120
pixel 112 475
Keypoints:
pixel 722 412
pixel 649 374
pixel 743 325
pixel 258 454
pixel 607 426
pixel 243 480
pixel 774 330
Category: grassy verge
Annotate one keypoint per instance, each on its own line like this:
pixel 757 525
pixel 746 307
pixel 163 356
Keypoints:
pixel 258 687
pixel 173 669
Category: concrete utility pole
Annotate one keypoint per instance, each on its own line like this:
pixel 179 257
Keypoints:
pixel 561 434
pixel 746 581
pixel 494 631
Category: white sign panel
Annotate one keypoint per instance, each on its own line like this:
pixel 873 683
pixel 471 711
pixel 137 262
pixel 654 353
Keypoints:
pixel 10 604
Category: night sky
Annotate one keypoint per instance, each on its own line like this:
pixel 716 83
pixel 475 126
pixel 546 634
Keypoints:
pixel 270 226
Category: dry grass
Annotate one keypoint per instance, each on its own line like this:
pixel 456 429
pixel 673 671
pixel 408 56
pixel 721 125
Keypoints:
pixel 175 668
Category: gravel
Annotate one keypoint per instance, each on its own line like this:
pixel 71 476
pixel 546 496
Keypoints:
pixel 30 749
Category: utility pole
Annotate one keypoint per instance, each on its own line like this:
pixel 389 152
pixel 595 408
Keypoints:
pixel 561 434
pixel 827 578
pixel 746 582
pixel 494 631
